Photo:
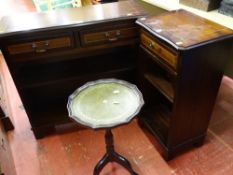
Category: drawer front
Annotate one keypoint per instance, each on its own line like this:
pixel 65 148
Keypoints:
pixel 40 46
pixel 168 56
pixel 107 36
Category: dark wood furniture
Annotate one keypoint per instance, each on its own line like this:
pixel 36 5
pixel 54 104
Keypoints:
pixel 182 59
pixel 181 63
pixel 50 54
pixel 105 104
pixel 112 156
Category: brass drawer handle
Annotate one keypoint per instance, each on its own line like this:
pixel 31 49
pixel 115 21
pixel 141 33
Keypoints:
pixel 112 39
pixel 41 49
pixel 151 45
pixel 118 33
pixel 115 38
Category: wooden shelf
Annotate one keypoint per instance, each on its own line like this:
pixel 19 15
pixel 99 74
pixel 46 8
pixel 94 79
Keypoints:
pixel 164 86
pixel 43 74
pixel 107 73
pixel 157 119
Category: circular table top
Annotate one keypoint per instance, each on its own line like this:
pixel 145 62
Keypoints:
pixel 105 103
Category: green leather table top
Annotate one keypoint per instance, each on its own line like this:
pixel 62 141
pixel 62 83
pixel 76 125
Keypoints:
pixel 105 103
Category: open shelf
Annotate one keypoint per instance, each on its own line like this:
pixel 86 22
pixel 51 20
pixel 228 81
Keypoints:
pixel 156 112
pixel 157 119
pixel 158 77
pixel 35 75
pixel 56 114
pixel 42 101
pixel 164 86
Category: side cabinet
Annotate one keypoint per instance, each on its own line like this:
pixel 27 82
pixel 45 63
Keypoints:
pixel 181 64
pixel 59 51
pixel 48 67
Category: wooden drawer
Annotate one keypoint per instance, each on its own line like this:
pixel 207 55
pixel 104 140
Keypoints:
pixel 107 36
pixel 167 55
pixel 40 46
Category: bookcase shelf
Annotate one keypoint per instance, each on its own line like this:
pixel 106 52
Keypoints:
pixel 164 86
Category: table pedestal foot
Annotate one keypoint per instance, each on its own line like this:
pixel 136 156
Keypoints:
pixel 112 156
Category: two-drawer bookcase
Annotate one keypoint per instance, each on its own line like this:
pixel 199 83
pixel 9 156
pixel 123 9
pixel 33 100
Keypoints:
pixel 176 59
pixel 54 53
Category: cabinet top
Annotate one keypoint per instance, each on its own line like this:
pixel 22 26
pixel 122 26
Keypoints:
pixel 183 29
pixel 72 17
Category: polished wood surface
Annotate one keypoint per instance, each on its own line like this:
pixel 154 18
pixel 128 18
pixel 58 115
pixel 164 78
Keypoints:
pixel 44 81
pixel 214 157
pixel 75 154
pixel 63 50
pixel 40 46
pixel 112 156
pixel 162 84
pixel 150 42
pixel 69 17
pixel 108 35
pixel 183 29
pixel 180 85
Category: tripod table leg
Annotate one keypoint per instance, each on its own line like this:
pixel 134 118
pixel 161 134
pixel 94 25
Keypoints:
pixel 111 156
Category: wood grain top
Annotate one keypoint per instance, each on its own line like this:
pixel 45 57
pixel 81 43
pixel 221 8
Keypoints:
pixel 70 17
pixel 183 29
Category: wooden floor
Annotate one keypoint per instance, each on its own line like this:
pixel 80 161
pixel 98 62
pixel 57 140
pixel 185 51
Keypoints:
pixel 74 151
